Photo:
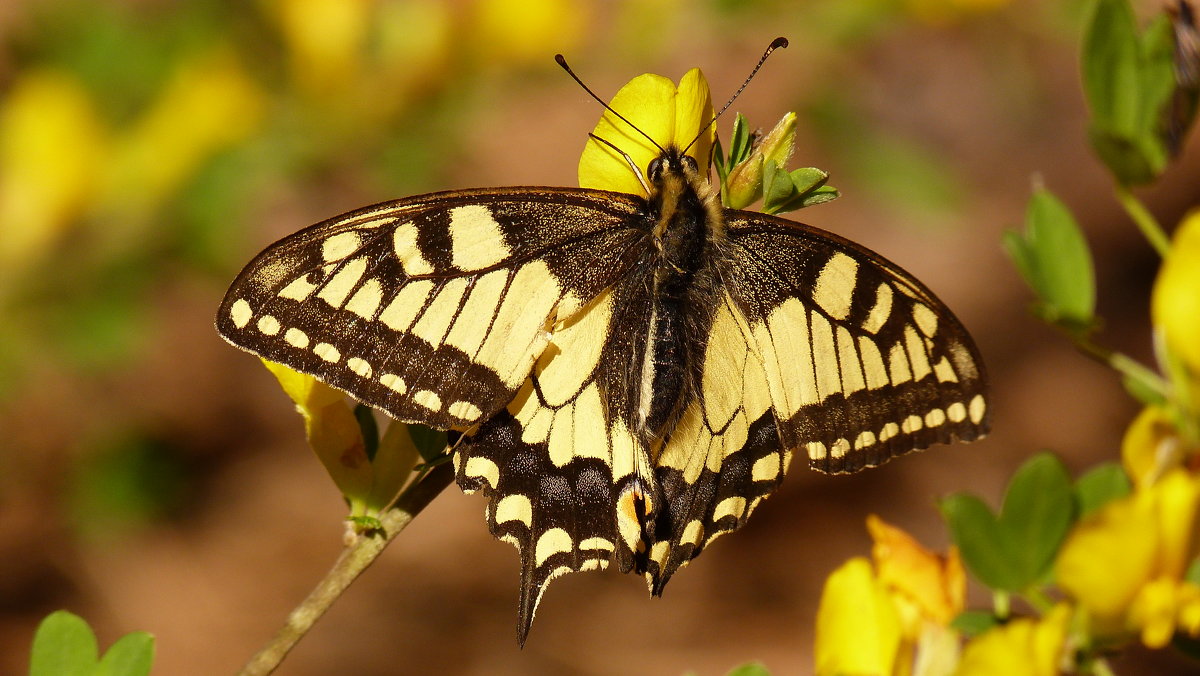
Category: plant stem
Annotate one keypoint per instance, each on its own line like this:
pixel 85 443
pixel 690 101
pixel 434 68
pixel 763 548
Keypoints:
pixel 353 560
pixel 1144 220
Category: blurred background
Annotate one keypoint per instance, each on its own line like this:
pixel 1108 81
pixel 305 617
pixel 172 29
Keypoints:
pixel 154 478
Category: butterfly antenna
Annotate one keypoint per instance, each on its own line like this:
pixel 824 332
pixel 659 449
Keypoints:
pixel 777 43
pixel 563 62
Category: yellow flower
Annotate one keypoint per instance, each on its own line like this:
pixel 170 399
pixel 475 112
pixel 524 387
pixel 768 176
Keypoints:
pixel 858 628
pixel 52 147
pixel 1151 446
pixel 524 31
pixel 1124 565
pixel 1025 646
pixel 943 12
pixel 893 618
pixel 672 116
pixel 208 105
pixel 326 40
pixel 1175 300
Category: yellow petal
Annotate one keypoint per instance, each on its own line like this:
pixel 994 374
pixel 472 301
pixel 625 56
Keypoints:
pixel 1175 300
pixel 1150 446
pixel 648 101
pixel 1153 612
pixel 1176 498
pixel 1023 646
pixel 1107 557
pixel 935 584
pixel 858 630
pixel 332 432
pixel 693 115
pixel 669 115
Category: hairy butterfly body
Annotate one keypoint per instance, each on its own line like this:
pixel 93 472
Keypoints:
pixel 630 376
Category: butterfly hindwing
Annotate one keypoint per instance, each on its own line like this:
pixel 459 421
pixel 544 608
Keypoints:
pixel 432 308
pixel 863 362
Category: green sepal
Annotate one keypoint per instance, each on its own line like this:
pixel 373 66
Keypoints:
pixel 430 443
pixel 1053 258
pixel 65 645
pixel 1099 486
pixel 740 142
pixel 788 191
pixel 972 623
pixel 1014 551
pixel 365 525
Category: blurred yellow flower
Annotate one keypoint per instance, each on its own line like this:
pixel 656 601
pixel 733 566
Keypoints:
pixel 1175 300
pixel 52 151
pixel 892 618
pixel 1151 446
pixel 1124 564
pixel 525 31
pixel 208 105
pixel 672 116
pixel 858 628
pixel 1024 646
pixel 942 12
pixel 325 40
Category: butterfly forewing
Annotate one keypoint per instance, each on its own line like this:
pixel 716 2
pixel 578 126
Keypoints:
pixel 862 362
pixel 432 308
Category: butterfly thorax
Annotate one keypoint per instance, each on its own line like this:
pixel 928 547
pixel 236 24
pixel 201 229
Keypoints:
pixel 688 220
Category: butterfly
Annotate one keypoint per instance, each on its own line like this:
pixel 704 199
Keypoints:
pixel 628 376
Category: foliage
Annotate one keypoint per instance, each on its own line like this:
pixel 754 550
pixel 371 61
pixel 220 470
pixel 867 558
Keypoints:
pixel 65 646
pixel 1120 545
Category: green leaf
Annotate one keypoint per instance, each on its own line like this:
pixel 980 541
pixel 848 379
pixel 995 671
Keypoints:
pixel 749 669
pixel 1039 508
pixel 785 191
pixel 131 655
pixel 430 443
pixel 1129 81
pixel 64 645
pixel 1053 257
pixel 1100 485
pixel 984 545
pixel 974 622
pixel 369 428
pixel 741 141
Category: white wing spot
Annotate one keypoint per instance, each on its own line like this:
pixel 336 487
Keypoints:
pixel 465 410
pixel 735 507
pixel 515 507
pixel 338 288
pixel 240 312
pixel 366 301
pixel 816 450
pixel 428 399
pixel 956 412
pixel 299 289
pixel 692 533
pixel 865 438
pixel 360 367
pixel 840 448
pixel 765 468
pixel 925 318
pixel 327 352
pixel 881 310
pixel 269 325
pixel 340 246
pixel 411 259
pixel 935 418
pixel 553 541
pixel 476 239
pixel 834 290
pixel 912 424
pixel 976 408
pixel 889 430
pixel 482 468
pixel 296 338
pixel 393 382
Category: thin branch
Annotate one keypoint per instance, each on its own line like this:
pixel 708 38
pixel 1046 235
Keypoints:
pixel 353 560
pixel 1144 220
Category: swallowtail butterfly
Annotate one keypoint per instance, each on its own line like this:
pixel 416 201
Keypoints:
pixel 629 376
